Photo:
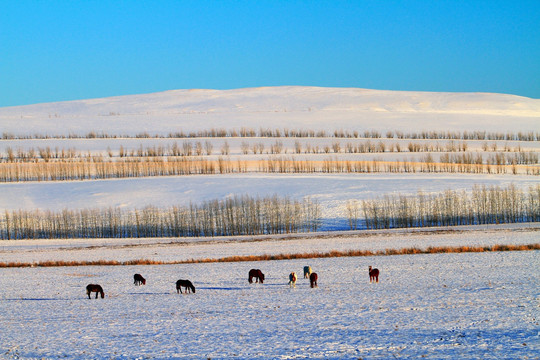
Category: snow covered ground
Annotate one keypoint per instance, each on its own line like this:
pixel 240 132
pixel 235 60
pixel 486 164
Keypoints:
pixel 332 191
pixel 292 107
pixel 440 306
pixel 178 249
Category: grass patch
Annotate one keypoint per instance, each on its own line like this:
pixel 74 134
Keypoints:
pixel 268 257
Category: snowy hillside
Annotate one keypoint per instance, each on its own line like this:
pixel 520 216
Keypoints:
pixel 276 107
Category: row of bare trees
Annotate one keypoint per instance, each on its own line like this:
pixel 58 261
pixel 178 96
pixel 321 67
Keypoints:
pixel 146 167
pixel 239 215
pixel 299 133
pixel 188 149
pixel 484 205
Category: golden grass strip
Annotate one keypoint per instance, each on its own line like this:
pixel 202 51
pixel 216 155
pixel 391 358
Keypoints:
pixel 292 256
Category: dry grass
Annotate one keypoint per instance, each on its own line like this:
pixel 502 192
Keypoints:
pixel 267 257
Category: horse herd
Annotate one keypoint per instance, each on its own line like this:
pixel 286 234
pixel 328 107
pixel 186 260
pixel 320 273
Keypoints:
pixel 256 274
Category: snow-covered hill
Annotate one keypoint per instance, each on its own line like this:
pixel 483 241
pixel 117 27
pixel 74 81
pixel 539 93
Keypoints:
pixel 292 107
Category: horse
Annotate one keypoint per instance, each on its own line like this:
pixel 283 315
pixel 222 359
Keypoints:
pixel 139 280
pixel 94 288
pixel 257 274
pixel 292 279
pixel 373 275
pixel 185 283
pixel 307 272
pixel 313 280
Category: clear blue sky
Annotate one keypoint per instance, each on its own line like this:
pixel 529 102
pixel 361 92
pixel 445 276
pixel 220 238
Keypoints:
pixel 67 50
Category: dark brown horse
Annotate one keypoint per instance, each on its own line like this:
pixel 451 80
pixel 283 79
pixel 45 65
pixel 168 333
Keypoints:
pixel 139 280
pixel 313 279
pixel 257 274
pixel 94 288
pixel 184 283
pixel 373 275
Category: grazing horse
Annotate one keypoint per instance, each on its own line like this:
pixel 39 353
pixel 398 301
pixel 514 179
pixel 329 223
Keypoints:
pixel 307 272
pixel 292 279
pixel 257 274
pixel 373 275
pixel 139 280
pixel 185 283
pixel 94 288
pixel 313 280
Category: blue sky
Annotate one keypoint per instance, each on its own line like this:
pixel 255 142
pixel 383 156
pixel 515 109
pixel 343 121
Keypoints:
pixel 67 50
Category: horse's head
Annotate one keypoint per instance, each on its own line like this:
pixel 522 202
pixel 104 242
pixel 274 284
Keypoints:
pixel 102 295
pixel 144 281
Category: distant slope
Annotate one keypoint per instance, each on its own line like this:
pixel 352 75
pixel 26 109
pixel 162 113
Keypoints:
pixel 292 107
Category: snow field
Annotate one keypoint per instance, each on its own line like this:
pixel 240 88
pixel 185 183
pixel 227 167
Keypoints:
pixel 292 107
pixel 443 306
pixel 332 191
pixel 178 249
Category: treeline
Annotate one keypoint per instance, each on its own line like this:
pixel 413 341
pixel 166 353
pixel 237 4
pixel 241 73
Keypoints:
pixel 92 169
pixel 198 148
pixel 298 133
pixel 484 205
pixel 240 215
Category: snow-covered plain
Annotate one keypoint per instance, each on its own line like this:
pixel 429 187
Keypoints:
pixel 441 306
pixel 182 249
pixel 467 306
pixel 332 191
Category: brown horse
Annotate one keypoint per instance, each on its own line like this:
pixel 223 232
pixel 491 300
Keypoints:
pixel 257 274
pixel 94 288
pixel 373 275
pixel 184 283
pixel 139 280
pixel 313 279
